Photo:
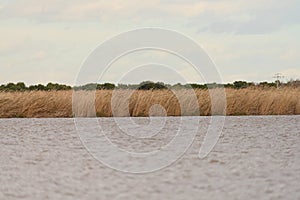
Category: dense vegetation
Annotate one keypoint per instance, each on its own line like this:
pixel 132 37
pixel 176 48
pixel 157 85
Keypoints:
pixel 146 85
pixel 249 101
pixel 11 87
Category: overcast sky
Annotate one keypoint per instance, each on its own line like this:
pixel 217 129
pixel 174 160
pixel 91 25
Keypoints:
pixel 47 40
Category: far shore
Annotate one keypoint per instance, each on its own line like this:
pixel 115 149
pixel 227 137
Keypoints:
pixel 52 104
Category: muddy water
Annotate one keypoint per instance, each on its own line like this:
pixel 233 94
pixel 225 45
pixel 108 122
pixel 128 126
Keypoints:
pixel 255 158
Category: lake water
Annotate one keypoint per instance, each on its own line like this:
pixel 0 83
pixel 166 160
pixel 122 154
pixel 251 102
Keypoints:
pixel 256 157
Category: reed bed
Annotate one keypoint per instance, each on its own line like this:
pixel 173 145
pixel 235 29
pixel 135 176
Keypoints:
pixel 107 103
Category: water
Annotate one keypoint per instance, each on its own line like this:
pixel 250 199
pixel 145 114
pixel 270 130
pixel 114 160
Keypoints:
pixel 255 158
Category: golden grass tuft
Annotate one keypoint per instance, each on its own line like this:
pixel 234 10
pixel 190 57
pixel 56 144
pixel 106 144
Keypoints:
pixel 250 101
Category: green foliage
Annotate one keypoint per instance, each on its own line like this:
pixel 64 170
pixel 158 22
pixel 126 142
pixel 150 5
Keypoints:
pixel 89 86
pixel 198 86
pixel 20 86
pixel 266 84
pixel 37 87
pixel 149 85
pixel 95 86
pixel 146 85
pixel 127 86
pixel 106 86
pixel 56 86
pixel 240 84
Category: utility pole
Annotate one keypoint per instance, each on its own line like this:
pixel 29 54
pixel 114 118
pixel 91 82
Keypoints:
pixel 278 76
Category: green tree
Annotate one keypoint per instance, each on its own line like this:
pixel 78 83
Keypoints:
pixel 106 86
pixel 240 84
pixel 20 86
pixel 149 85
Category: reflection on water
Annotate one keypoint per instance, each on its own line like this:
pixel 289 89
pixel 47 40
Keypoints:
pixel 256 157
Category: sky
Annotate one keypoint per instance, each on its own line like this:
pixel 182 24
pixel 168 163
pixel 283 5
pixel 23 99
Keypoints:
pixel 45 41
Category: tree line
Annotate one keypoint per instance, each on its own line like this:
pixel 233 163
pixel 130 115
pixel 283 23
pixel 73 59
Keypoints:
pixel 20 86
pixel 146 85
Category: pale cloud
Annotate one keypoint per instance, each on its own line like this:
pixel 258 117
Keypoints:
pixel 39 55
pixel 224 11
pixel 229 16
pixel 186 10
pixel 249 77
pixel 56 10
pixel 10 45
pixel 291 73
pixel 252 17
pixel 248 40
pixel 290 55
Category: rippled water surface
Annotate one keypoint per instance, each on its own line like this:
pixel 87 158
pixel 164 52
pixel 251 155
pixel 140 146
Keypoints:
pixel 255 158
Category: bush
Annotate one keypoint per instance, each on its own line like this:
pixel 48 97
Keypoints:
pixel 55 86
pixel 105 86
pixel 149 85
pixel 240 84
pixel 266 84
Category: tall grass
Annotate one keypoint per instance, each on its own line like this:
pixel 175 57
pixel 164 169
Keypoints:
pixel 250 101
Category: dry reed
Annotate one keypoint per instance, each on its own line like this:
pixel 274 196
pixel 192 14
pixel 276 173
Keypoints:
pixel 250 101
